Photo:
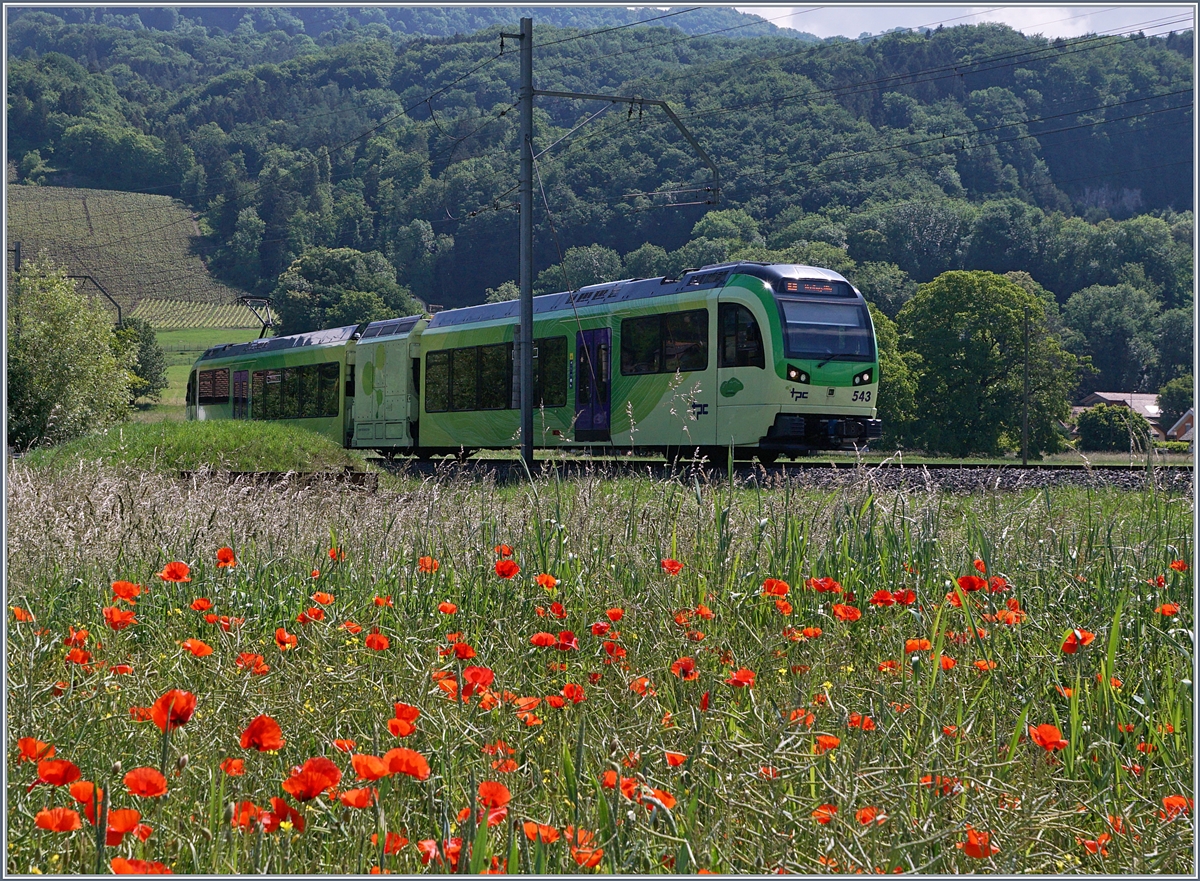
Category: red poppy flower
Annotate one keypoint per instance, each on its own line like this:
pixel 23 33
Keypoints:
pixel 120 824
pixel 316 613
pixel 384 601
pixel 245 816
pixel 407 761
pixel 567 641
pixel 984 665
pixel 1175 806
pixel 704 698
pixel 476 680
pixel 78 655
pixel 1179 565
pixel 34 750
pixel 428 565
pixel 868 815
pixel 1075 639
pixel 916 645
pixel 671 567
pixel 322 597
pixel 889 666
pixel 173 710
pixel 543 640
pixel 392 842
pixel 858 720
pixel 233 767
pixel 904 597
pixel 447 608
pixel 742 678
pixel 507 568
pixel 264 734
pixel 336 554
pixel 978 845
pixel 22 616
pixel 121 669
pixel 175 571
pixel 358 798
pixel 540 832
pixel 823 814
pixel 882 598
pixel 377 641
pixel 846 613
pixel 783 607
pixel 351 628
pixel 685 669
pixel 981 567
pixel 493 795
pixel 118 619
pixel 344 745
pixel 57 772
pixel 202 604
pixel 997 584
pixel 122 866
pixel 76 638
pixel 703 611
pixel 823 585
pixel 641 686
pixel 146 782
pixel 281 812
pixel 1168 609
pixel 226 558
pixel 549 582
pixel 256 664
pixel 947 662
pixel 140 714
pixel 674 760
pixel 369 767
pixel 1048 737
pixel 126 590
pixel 58 820
pixel 615 614
pixel 503 551
pixel 285 640
pixel 774 587
pixel 826 742
pixel 312 778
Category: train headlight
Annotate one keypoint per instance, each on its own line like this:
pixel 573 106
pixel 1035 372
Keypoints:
pixel 795 374
pixel 863 378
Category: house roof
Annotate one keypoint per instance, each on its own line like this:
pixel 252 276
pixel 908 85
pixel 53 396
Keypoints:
pixel 1190 414
pixel 1145 404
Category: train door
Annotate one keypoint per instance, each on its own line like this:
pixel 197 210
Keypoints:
pixel 593 386
pixel 743 384
pixel 241 394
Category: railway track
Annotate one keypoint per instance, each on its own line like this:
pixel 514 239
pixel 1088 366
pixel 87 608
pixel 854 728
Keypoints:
pixel 955 477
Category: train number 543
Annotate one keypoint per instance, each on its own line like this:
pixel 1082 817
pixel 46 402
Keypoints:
pixel 860 396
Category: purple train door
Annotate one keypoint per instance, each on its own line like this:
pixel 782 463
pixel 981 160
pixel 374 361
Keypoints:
pixel 241 394
pixel 593 405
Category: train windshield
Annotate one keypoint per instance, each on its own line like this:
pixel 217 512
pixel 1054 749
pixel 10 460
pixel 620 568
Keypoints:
pixel 827 331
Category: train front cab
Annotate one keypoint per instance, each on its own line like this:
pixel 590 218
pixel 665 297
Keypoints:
pixel 797 364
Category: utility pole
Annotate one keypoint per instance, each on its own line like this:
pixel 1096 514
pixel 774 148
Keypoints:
pixel 524 341
pixel 1025 416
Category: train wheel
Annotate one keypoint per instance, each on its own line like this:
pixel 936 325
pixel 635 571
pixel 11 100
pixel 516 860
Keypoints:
pixel 423 454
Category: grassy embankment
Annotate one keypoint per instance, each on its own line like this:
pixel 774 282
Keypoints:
pixel 902 747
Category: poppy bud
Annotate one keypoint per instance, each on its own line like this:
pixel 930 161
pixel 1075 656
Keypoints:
pixel 230 810
pixel 116 768
pixel 181 764
pixel 206 833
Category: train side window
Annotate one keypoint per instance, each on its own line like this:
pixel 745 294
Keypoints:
pixel 437 382
pixel 214 386
pixel 550 372
pixel 191 388
pixel 328 393
pixel 495 374
pixel 741 341
pixel 641 346
pixel 685 341
pixel 464 378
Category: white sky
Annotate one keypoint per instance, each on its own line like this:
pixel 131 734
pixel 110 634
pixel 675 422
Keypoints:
pixel 1049 21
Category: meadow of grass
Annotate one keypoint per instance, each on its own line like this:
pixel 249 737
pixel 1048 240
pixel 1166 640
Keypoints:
pixel 735 714
pixel 170 447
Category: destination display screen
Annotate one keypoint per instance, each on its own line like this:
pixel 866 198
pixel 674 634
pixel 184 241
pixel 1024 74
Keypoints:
pixel 818 287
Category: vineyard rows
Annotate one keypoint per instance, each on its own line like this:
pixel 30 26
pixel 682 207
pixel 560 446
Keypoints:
pixel 168 314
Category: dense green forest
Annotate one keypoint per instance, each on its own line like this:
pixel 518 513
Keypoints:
pixel 312 132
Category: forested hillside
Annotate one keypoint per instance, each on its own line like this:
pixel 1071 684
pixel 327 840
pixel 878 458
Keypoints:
pixel 892 159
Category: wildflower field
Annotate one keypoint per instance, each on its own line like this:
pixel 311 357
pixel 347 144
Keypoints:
pixel 598 674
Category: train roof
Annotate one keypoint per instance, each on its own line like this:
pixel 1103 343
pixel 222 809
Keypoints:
pixel 327 337
pixel 634 289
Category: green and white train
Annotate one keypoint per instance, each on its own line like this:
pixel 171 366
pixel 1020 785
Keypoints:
pixel 768 359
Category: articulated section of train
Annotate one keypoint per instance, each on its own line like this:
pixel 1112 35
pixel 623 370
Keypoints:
pixel 773 360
